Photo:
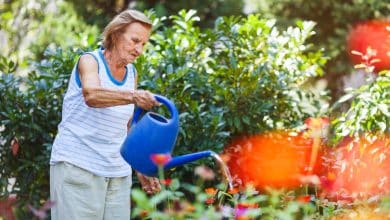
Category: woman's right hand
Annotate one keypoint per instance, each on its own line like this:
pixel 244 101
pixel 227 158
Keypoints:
pixel 144 99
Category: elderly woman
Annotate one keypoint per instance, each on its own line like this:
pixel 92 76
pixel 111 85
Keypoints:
pixel 88 177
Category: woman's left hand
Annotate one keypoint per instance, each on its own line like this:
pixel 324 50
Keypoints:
pixel 150 185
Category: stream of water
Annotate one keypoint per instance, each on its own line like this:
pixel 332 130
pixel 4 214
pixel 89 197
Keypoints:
pixel 224 168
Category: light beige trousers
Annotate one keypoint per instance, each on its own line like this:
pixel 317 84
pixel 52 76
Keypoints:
pixel 79 194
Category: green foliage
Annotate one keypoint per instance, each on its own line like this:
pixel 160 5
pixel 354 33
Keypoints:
pixel 175 65
pixel 260 72
pixel 216 203
pixel 99 12
pixel 30 111
pixel 242 77
pixel 369 111
pixel 28 28
pixel 207 10
pixel 65 29
pixel 333 18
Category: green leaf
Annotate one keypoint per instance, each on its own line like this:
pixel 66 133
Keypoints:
pixel 7 15
pixel 175 185
pixel 160 197
pixel 246 120
pixel 384 109
pixel 182 24
pixel 189 15
pixel 344 98
pixel 382 126
pixel 140 198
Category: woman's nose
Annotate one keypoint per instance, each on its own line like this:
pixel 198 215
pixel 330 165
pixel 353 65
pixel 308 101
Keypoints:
pixel 138 49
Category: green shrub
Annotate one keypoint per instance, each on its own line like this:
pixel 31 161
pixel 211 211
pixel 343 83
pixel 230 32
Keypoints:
pixel 242 77
pixel 171 203
pixel 369 111
pixel 30 111
pixel 334 18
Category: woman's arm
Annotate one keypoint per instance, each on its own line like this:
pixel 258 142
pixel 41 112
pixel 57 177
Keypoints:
pixel 98 97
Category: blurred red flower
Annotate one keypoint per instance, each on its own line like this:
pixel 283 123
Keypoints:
pixel 144 213
pixel 209 201
pixel 245 205
pixel 166 182
pixel 274 159
pixel 160 159
pixel 373 34
pixel 304 199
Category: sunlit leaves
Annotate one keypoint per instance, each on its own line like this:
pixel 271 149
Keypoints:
pixel 369 111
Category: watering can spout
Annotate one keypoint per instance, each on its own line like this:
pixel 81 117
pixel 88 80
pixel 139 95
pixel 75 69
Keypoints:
pixel 181 160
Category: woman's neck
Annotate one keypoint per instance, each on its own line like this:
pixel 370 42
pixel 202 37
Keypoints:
pixel 115 64
pixel 113 61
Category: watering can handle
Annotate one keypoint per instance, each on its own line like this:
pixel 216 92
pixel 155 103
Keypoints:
pixel 171 107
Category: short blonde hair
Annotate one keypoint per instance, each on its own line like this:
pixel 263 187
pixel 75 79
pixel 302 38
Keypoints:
pixel 119 23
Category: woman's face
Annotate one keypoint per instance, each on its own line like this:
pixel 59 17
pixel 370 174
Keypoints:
pixel 132 41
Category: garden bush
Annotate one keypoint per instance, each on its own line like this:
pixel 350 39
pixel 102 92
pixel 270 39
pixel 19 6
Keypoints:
pixel 217 202
pixel 369 111
pixel 334 19
pixel 243 76
pixel 30 111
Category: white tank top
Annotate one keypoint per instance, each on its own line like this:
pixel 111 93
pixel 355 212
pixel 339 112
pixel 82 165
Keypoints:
pixel 91 138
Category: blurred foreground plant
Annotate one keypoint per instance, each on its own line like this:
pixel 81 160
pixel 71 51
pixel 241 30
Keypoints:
pixel 188 201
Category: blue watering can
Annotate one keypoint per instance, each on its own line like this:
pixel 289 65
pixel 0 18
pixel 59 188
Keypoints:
pixel 155 134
